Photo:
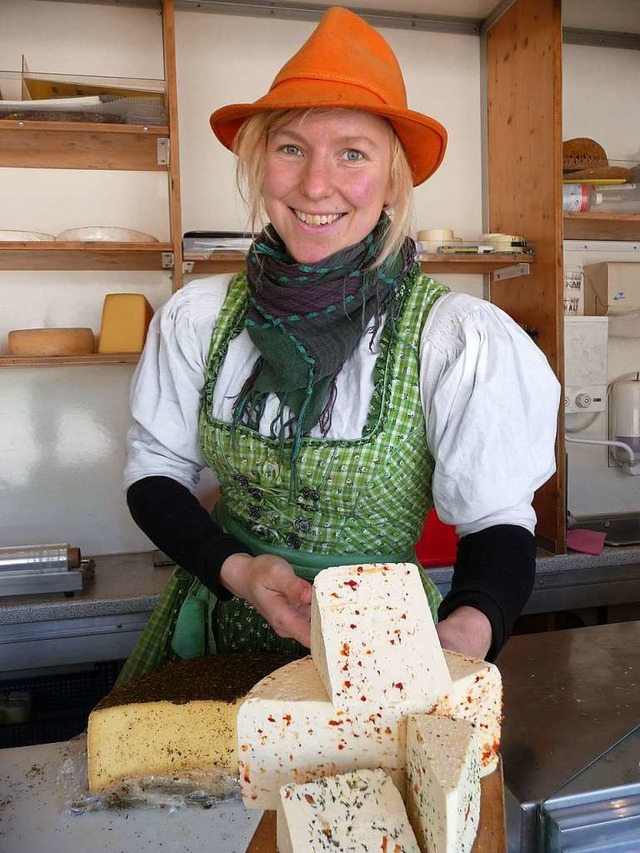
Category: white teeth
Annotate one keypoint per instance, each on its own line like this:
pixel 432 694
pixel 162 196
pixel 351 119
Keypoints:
pixel 317 219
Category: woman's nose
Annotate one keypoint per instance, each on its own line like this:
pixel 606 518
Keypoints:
pixel 317 177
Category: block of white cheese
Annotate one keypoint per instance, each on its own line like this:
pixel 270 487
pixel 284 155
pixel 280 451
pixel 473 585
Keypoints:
pixel 443 783
pixel 357 811
pixel 373 638
pixel 288 731
pixel 475 695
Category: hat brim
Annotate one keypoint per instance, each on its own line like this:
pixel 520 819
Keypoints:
pixel 423 138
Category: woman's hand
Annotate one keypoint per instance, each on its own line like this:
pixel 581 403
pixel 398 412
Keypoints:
pixel 467 631
pixel 270 585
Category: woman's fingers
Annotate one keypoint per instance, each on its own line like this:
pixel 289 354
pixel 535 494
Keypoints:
pixel 285 602
pixel 272 587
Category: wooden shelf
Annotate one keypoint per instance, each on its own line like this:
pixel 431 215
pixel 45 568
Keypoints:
pixel 435 263
pixel 599 226
pixel 96 255
pixel 68 360
pixel 473 264
pixel 80 145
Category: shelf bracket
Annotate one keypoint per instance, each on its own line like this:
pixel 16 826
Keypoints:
pixel 167 260
pixel 513 271
pixel 162 151
pixel 187 266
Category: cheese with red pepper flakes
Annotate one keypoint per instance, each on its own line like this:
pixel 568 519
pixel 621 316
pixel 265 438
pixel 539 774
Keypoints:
pixel 373 639
pixel 288 731
pixel 352 812
pixel 443 783
pixel 476 695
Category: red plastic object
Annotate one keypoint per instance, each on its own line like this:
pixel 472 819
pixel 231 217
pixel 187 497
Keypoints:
pixel 438 542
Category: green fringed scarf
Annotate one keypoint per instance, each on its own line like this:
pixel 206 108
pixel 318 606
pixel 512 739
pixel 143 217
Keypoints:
pixel 306 320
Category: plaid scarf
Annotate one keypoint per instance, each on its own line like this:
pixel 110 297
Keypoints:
pixel 306 320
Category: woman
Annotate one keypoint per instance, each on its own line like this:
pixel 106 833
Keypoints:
pixel 336 392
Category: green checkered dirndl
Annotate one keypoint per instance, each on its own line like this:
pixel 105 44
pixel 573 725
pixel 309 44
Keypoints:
pixel 361 500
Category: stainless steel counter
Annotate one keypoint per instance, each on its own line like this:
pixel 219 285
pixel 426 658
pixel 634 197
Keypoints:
pixel 568 696
pixel 104 620
pixel 101 622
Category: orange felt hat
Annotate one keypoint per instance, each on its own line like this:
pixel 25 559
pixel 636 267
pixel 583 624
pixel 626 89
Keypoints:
pixel 345 64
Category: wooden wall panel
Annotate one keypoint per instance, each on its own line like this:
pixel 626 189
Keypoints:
pixel 175 206
pixel 524 182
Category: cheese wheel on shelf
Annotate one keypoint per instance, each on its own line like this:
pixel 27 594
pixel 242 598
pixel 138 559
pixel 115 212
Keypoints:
pixel 51 342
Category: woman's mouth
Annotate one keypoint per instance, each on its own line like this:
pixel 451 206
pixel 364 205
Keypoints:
pixel 316 219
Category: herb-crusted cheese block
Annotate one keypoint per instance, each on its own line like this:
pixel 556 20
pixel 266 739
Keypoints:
pixel 352 812
pixel 475 695
pixel 178 721
pixel 373 639
pixel 288 731
pixel 443 783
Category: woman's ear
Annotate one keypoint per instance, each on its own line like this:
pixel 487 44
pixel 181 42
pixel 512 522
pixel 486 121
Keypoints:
pixel 391 196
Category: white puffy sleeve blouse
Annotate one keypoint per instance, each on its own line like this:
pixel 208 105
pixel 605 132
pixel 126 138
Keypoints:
pixel 490 401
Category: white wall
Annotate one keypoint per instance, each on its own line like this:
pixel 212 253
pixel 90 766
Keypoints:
pixel 600 100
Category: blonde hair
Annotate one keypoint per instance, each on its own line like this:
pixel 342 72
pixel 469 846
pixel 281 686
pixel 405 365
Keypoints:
pixel 250 146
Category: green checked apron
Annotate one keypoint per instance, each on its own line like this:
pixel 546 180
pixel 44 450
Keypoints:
pixel 357 501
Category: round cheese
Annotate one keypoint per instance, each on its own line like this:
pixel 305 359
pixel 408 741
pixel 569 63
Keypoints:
pixel 44 342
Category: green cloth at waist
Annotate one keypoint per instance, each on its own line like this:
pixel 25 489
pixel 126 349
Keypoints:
pixel 305 564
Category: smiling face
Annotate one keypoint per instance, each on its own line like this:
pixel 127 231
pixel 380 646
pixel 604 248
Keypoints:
pixel 326 180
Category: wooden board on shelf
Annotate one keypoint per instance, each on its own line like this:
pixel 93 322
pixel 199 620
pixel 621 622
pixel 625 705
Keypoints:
pixel 12 361
pixel 48 86
pixel 83 256
pixel 432 264
pixel 492 830
pixel 599 226
pixel 79 145
pixel 472 264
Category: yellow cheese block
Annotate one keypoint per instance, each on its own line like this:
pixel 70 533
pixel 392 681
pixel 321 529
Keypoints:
pixel 45 342
pixel 125 320
pixel 176 722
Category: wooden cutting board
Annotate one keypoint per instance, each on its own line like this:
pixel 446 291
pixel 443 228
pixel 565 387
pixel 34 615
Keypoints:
pixel 492 829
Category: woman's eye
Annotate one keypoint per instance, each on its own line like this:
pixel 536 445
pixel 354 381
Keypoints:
pixel 353 155
pixel 290 149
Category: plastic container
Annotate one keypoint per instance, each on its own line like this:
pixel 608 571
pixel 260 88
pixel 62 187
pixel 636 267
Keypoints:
pixel 601 198
pixel 626 417
pixel 577 198
pixel 618 198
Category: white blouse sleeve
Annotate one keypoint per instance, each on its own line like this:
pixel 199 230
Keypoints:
pixel 491 402
pixel 166 388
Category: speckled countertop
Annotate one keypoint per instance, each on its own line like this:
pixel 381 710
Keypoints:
pixel 129 583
